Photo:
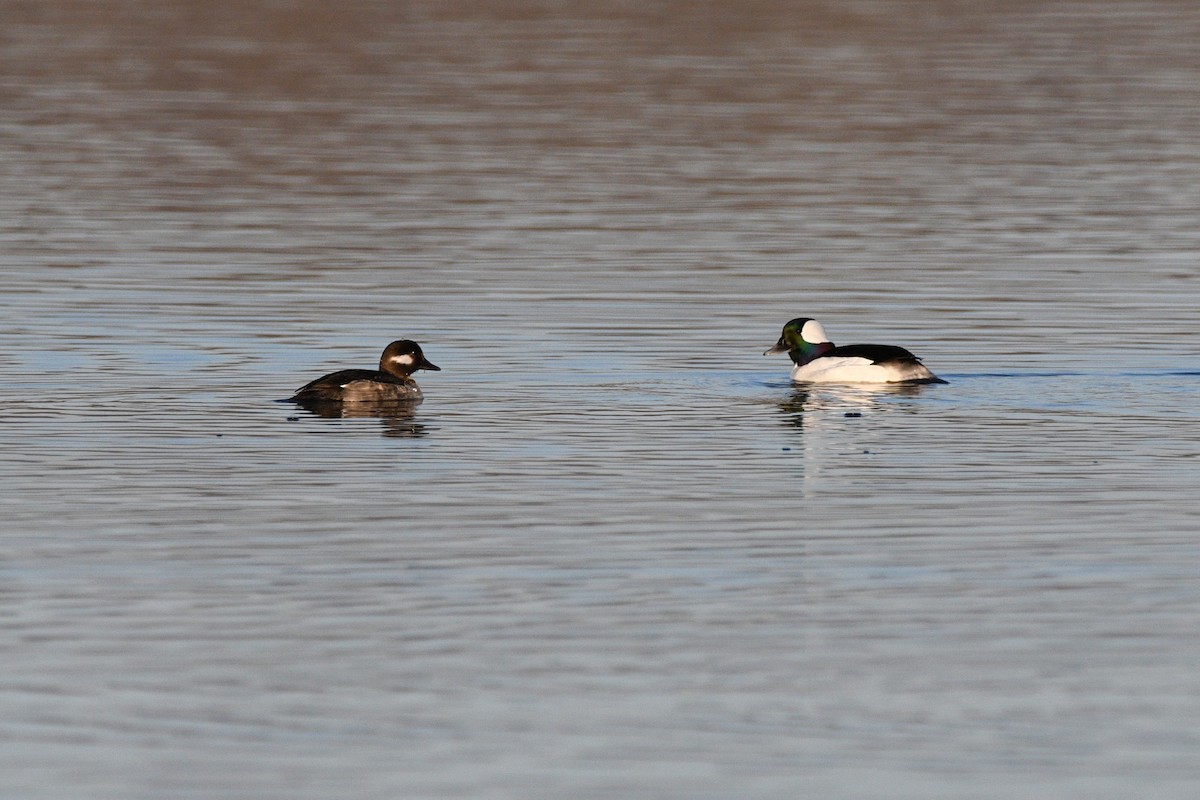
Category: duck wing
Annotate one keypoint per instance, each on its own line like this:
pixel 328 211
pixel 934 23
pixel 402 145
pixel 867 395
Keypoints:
pixel 342 377
pixel 875 353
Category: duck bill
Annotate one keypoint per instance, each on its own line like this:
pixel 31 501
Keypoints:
pixel 780 347
pixel 429 365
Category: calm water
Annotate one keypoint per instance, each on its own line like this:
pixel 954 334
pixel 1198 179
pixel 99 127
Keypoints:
pixel 615 553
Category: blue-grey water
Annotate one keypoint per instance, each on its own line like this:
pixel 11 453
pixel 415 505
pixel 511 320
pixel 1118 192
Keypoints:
pixel 615 553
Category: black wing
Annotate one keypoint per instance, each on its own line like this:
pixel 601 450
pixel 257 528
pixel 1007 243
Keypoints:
pixel 342 377
pixel 877 353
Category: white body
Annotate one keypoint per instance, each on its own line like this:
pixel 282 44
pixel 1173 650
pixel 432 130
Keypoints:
pixel 838 369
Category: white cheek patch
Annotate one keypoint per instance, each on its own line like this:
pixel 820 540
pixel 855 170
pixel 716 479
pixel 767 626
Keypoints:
pixel 813 332
pixel 404 359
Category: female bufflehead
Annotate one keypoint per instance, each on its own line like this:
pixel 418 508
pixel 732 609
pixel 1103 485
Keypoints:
pixel 400 359
pixel 817 360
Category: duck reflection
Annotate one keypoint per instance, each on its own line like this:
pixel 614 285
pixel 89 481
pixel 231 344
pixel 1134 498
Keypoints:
pixel 853 399
pixel 793 408
pixel 397 418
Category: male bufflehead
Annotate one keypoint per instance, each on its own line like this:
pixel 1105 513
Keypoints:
pixel 817 360
pixel 391 383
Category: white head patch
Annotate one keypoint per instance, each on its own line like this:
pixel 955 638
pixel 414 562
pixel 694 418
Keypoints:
pixel 813 332
pixel 404 359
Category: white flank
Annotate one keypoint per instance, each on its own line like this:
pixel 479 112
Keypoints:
pixel 833 369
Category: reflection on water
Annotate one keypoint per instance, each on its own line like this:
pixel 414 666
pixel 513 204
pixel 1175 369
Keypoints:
pixel 397 418
pixel 794 406
pixel 850 399
pixel 627 546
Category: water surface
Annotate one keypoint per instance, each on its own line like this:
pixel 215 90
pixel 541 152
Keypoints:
pixel 615 553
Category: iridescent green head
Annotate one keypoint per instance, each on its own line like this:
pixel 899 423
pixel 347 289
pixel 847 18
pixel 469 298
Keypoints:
pixel 803 339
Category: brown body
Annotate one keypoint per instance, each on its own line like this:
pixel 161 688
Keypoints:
pixel 391 383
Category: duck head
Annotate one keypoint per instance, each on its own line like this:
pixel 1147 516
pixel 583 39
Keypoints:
pixel 404 357
pixel 803 339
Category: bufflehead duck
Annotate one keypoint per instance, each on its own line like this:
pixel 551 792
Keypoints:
pixel 817 360
pixel 391 383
